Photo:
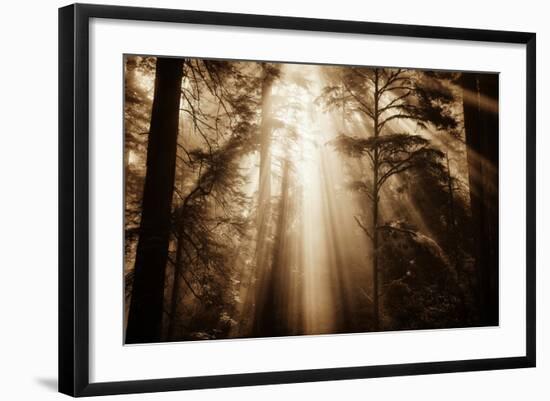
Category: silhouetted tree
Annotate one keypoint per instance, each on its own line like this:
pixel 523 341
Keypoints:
pixel 480 94
pixel 269 74
pixel 382 96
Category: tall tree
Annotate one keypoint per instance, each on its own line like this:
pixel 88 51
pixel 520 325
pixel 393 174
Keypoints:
pixel 480 98
pixel 382 97
pixel 270 73
pixel 145 314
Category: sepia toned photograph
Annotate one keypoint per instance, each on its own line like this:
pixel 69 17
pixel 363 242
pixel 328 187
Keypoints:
pixel 267 199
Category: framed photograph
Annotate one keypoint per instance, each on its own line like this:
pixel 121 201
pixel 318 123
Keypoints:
pixel 249 199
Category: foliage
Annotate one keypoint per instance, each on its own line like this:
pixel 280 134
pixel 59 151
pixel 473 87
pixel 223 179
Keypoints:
pixel 420 284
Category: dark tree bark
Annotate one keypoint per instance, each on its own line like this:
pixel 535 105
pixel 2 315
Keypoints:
pixel 145 315
pixel 481 126
pixel 376 199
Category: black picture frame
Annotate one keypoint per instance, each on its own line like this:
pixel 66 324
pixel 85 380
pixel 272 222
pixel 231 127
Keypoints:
pixel 74 198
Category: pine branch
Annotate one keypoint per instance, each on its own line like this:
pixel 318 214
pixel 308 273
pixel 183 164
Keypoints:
pixel 181 275
pixel 363 228
pixel 394 77
pixel 403 116
pixel 393 105
pixel 401 166
pixel 364 107
pixel 393 228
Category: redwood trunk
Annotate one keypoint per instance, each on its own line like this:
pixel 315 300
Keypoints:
pixel 481 126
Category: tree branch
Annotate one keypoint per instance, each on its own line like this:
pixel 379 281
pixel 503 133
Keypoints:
pixel 403 230
pixel 400 166
pixel 402 116
pixel 363 228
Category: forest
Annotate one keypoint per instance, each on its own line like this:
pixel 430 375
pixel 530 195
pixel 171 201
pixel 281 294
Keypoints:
pixel 268 199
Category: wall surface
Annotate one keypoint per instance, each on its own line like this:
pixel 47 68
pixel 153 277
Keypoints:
pixel 28 217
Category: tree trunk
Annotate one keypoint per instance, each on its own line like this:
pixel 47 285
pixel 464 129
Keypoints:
pixel 375 279
pixel 274 319
pixel 375 200
pixel 178 267
pixel 145 314
pixel 264 188
pixel 481 126
pixel 264 206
